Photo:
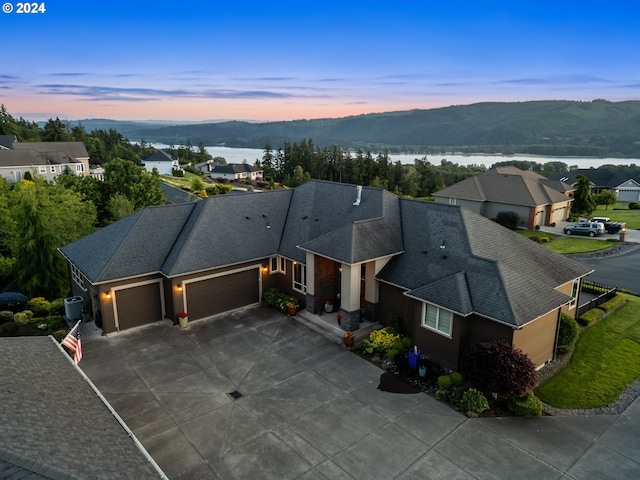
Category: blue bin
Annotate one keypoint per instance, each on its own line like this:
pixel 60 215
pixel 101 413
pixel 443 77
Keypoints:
pixel 414 358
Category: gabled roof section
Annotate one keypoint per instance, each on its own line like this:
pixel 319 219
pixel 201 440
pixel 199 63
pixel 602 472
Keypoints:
pixel 229 229
pixel 160 156
pixel 6 141
pixel 26 158
pixel 599 177
pixel 76 150
pixel 136 245
pixel 468 264
pixel 234 168
pixel 323 219
pixel 75 436
pixel 508 185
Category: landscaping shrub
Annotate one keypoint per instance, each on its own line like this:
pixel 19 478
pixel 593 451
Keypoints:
pixel 508 219
pixel 474 402
pixel 444 382
pixel 456 379
pixel 568 335
pixel 39 306
pixel 56 307
pixel 613 304
pixel 6 316
pixel 278 299
pixel 534 239
pixel 545 240
pixel 59 335
pixel 13 301
pixel 24 317
pixel 497 367
pixel 526 406
pixel 9 329
pixel 591 317
pixel 634 205
pixel 384 338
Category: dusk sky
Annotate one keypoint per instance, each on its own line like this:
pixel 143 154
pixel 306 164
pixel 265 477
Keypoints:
pixel 284 60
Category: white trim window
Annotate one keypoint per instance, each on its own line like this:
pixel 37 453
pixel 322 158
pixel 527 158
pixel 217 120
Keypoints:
pixel 437 319
pixel 53 169
pixel 277 264
pixel 574 293
pixel 299 277
pixel 42 169
pixel 80 167
pixel 77 277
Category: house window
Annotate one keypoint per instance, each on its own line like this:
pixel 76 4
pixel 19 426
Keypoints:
pixel 574 293
pixel 436 319
pixel 453 201
pixel 300 277
pixel 42 169
pixel 77 277
pixel 53 169
pixel 277 264
pixel 80 167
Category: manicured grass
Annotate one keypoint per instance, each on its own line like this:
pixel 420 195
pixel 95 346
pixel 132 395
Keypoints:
pixel 560 244
pixel 630 217
pixel 605 362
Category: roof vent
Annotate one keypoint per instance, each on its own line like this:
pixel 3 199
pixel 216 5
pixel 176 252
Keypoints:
pixel 358 195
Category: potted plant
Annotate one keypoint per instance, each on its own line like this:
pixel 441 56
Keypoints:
pixel 292 307
pixel 349 338
pixel 328 306
pixel 183 318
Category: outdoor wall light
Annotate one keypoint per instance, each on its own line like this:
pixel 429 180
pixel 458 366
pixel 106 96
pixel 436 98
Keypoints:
pixel 107 295
pixel 179 287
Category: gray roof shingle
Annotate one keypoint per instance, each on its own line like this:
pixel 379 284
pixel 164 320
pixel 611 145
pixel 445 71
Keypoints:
pixel 53 423
pixel 509 185
pixel 73 149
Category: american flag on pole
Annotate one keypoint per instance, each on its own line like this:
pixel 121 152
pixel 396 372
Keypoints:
pixel 73 343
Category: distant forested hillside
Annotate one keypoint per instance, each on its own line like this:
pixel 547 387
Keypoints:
pixel 597 128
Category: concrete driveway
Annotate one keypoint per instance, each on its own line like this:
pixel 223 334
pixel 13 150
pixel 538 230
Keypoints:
pixel 311 410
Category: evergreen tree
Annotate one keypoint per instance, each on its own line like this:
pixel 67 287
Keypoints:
pixel 582 200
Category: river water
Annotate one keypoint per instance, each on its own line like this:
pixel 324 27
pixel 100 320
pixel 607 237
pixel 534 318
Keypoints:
pixel 239 155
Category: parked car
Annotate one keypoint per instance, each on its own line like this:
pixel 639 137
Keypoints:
pixel 609 226
pixel 591 229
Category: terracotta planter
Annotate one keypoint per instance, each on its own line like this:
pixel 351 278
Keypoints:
pixel 292 311
pixel 348 341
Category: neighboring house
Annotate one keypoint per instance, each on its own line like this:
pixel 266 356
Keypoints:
pixel 232 171
pixel 450 275
pixel 6 141
pixel 54 422
pixel 536 199
pixel 97 173
pixel 43 159
pixel 626 189
pixel 162 161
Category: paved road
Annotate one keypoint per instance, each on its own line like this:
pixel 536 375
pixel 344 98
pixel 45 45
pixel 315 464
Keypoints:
pixel 622 270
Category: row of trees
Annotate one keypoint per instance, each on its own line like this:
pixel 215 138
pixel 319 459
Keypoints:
pixel 299 162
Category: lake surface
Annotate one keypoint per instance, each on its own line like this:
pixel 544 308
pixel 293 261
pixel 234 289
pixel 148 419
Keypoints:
pixel 239 155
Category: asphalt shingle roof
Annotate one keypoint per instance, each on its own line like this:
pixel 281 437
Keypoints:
pixel 442 254
pixel 508 185
pixel 73 149
pixel 483 267
pixel 600 177
pixel 160 156
pixel 53 425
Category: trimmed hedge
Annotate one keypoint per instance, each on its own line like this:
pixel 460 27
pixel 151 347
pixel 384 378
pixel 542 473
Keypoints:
pixel 568 335
pixel 612 305
pixel 591 317
pixel 473 401
pixel 527 406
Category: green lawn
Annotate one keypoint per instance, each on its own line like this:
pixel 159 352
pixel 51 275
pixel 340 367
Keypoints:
pixel 630 217
pixel 561 244
pixel 605 362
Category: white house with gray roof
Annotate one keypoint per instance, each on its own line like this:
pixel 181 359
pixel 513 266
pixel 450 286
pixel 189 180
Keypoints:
pixel 43 159
pixel 451 276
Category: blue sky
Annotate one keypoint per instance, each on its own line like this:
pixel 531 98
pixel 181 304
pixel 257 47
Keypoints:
pixel 283 60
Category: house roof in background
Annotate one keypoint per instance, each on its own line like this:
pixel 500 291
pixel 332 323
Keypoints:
pixel 233 168
pixel 54 425
pixel 509 185
pixel 160 156
pixel 73 149
pixel 27 158
pixel 482 268
pixel 6 141
pixel 600 177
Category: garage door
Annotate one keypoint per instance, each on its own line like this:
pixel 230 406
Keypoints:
pixel 221 294
pixel 138 305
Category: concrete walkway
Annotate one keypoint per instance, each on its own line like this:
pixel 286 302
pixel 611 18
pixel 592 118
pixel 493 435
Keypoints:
pixel 311 410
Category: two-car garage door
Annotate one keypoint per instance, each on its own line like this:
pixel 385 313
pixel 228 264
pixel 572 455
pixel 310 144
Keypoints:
pixel 222 293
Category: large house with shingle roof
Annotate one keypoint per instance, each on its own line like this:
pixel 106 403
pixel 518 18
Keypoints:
pixel 55 424
pixel 163 162
pixel 625 187
pixel 536 199
pixel 451 276
pixel 231 171
pixel 43 159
